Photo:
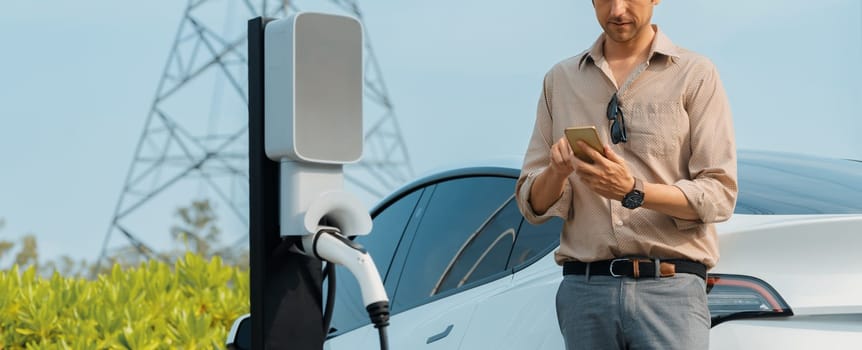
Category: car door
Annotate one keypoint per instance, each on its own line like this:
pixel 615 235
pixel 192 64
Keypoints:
pixel 457 254
pixel 523 315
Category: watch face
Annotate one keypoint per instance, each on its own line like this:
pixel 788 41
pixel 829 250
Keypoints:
pixel 633 199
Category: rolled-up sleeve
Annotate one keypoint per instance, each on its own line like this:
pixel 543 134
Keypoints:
pixel 536 160
pixel 712 189
pixel 561 208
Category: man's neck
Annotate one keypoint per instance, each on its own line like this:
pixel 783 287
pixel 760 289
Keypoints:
pixel 637 48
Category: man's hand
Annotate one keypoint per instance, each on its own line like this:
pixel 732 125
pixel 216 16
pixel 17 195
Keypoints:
pixel 562 159
pixel 609 177
pixel 549 185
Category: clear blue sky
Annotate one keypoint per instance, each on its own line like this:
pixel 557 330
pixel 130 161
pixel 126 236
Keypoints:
pixel 77 80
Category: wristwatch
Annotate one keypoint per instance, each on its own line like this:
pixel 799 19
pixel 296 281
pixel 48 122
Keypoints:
pixel 635 198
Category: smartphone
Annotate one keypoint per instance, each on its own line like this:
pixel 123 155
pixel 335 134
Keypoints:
pixel 589 135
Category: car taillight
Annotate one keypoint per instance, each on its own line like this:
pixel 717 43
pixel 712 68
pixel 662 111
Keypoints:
pixel 733 297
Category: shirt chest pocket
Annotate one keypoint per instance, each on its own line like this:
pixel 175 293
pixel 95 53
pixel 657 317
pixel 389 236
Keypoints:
pixel 657 129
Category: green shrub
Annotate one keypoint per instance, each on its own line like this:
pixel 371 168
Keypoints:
pixel 152 306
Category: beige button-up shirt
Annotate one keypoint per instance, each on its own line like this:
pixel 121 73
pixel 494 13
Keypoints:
pixel 680 133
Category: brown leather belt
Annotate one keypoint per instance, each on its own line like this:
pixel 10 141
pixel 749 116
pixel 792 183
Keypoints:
pixel 635 268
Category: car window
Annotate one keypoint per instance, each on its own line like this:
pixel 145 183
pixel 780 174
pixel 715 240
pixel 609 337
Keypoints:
pixel 773 184
pixel 389 224
pixel 535 241
pixel 388 227
pixel 485 252
pixel 465 235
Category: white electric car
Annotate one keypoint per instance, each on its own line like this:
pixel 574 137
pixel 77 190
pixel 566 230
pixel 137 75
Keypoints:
pixel 464 270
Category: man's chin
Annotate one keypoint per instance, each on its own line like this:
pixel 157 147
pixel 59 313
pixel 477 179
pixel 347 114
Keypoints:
pixel 620 37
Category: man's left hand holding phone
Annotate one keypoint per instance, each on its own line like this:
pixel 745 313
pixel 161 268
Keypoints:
pixel 550 184
pixel 608 176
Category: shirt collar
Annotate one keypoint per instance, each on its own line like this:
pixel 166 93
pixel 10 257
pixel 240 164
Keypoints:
pixel 661 45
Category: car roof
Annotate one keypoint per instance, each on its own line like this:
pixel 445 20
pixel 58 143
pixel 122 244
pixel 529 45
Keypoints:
pixel 770 181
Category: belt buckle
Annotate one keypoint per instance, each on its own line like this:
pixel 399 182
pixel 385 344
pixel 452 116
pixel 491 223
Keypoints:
pixel 611 267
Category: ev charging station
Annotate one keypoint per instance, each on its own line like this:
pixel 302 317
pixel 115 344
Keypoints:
pixel 305 122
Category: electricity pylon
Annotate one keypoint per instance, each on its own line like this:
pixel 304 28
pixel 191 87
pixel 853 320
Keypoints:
pixel 193 143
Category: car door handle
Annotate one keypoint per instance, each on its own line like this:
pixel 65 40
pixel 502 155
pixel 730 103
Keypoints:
pixel 439 336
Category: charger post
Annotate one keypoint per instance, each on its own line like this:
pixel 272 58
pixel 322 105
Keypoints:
pixel 305 123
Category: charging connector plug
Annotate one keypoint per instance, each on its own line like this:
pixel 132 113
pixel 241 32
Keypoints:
pixel 328 244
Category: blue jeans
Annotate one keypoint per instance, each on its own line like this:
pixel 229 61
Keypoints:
pixel 604 312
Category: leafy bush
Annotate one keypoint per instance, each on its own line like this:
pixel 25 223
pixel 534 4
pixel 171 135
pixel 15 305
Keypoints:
pixel 151 306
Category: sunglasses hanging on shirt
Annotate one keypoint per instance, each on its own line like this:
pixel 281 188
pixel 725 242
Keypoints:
pixel 618 124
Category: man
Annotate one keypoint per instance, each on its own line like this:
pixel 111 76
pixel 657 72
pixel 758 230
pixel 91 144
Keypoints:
pixel 639 233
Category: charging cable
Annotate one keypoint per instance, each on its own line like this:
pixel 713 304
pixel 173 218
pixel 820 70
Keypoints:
pixel 328 244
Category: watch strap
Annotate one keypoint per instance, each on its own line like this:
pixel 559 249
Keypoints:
pixel 639 185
